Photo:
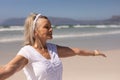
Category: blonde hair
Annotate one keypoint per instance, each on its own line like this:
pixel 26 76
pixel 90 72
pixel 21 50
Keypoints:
pixel 28 31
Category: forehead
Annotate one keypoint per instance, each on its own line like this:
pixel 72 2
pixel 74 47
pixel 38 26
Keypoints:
pixel 43 21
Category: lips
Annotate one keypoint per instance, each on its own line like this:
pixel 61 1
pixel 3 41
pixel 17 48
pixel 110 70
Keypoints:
pixel 50 34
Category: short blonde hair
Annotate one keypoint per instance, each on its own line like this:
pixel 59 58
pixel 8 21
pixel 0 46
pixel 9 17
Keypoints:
pixel 28 31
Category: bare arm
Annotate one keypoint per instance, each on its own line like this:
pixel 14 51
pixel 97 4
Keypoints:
pixel 67 52
pixel 13 66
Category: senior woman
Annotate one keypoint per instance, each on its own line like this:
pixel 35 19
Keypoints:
pixel 39 59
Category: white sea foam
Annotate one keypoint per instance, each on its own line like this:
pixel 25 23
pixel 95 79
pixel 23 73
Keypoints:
pixel 12 28
pixel 107 26
pixel 87 34
pixel 64 34
pixel 63 26
pixel 17 28
pixel 87 26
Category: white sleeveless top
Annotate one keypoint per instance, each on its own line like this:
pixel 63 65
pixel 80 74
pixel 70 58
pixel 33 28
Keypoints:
pixel 40 68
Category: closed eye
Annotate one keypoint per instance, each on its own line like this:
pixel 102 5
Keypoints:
pixel 47 27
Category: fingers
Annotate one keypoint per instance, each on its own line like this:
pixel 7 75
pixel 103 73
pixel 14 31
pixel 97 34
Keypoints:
pixel 98 53
pixel 101 54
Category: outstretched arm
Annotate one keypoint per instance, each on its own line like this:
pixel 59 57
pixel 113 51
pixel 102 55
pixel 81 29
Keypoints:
pixel 13 66
pixel 66 52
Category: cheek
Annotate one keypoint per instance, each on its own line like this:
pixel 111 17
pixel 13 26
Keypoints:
pixel 43 33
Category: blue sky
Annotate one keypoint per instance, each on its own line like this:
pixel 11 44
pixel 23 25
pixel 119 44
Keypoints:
pixel 76 9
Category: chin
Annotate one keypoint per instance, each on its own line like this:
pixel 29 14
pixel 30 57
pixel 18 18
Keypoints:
pixel 50 37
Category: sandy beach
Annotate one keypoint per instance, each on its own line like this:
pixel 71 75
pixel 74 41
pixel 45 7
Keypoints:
pixel 87 68
pixel 77 67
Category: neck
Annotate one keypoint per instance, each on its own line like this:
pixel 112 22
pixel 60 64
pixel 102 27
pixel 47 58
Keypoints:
pixel 40 44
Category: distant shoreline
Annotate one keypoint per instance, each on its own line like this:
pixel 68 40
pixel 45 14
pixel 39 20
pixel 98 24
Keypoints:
pixel 114 20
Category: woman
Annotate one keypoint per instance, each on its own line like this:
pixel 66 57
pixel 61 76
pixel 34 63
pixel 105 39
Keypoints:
pixel 39 59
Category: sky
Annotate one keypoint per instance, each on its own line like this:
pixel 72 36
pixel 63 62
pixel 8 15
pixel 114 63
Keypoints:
pixel 75 9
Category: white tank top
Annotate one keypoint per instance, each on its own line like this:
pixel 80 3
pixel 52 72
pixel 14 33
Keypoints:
pixel 40 68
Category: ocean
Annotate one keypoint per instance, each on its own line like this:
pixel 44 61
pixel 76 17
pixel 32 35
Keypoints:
pixel 15 33
pixel 105 38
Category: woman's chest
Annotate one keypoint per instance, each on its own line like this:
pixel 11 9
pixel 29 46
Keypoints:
pixel 46 67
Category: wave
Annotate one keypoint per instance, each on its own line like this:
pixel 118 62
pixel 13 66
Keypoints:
pixel 86 34
pixel 65 36
pixel 12 28
pixel 107 26
pixel 18 28
pixel 86 26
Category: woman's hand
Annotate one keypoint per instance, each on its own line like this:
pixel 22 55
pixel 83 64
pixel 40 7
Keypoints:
pixel 98 53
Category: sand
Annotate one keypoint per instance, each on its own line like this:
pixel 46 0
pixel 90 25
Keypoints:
pixel 87 68
pixel 74 68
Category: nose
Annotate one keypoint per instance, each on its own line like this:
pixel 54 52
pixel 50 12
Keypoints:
pixel 51 29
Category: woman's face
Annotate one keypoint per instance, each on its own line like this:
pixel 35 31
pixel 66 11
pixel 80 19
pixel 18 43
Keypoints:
pixel 44 29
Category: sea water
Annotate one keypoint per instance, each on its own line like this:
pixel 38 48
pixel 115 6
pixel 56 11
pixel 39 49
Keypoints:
pixel 16 33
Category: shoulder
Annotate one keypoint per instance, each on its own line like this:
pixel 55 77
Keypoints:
pixel 58 47
pixel 24 51
pixel 26 47
pixel 51 45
